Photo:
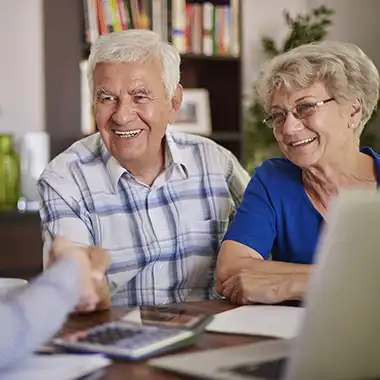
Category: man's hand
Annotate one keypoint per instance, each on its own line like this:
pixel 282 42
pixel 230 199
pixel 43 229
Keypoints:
pixel 248 287
pixel 94 262
pixel 99 259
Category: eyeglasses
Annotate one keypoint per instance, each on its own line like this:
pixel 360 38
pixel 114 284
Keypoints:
pixel 300 111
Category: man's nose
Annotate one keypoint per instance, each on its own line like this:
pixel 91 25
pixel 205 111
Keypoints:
pixel 292 124
pixel 125 112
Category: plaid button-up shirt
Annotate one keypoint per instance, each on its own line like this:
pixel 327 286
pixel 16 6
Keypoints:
pixel 162 239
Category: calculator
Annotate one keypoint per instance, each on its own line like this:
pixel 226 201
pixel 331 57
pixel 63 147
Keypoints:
pixel 132 340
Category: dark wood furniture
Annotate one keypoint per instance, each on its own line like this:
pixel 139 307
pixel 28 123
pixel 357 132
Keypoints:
pixel 21 244
pixel 64 48
pixel 122 370
pixel 63 44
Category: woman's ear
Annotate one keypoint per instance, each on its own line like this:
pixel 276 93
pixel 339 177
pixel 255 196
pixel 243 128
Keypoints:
pixel 176 102
pixel 355 113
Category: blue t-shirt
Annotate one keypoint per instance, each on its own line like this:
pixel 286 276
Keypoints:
pixel 276 215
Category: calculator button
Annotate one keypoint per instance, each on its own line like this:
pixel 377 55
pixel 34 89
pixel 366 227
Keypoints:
pixel 109 335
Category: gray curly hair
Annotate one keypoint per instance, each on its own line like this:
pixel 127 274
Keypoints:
pixel 344 68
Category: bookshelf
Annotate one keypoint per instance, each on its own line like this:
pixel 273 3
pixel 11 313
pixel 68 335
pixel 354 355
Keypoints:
pixel 65 46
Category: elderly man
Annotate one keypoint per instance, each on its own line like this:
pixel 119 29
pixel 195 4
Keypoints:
pixel 158 202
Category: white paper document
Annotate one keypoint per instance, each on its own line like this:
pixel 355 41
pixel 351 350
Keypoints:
pixel 276 321
pixel 57 367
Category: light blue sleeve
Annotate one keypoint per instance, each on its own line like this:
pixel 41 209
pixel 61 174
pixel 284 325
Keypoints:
pixel 34 315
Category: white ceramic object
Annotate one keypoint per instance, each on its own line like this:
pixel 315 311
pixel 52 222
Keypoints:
pixel 9 285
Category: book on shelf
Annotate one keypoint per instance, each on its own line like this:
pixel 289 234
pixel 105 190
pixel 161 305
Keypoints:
pixel 198 27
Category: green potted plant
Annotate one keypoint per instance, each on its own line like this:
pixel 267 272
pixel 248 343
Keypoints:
pixel 259 143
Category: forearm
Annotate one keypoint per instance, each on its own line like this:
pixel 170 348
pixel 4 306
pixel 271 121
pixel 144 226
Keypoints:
pixel 227 269
pixel 34 315
pixel 293 277
pixel 268 266
pixel 236 258
pixel 298 286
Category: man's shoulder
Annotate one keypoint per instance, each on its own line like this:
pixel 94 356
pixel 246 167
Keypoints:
pixel 82 153
pixel 187 140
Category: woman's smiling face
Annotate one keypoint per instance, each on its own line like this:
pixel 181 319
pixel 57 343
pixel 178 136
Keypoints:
pixel 319 133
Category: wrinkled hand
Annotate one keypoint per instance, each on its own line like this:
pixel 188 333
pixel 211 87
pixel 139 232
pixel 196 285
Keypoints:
pixel 93 262
pixel 248 287
pixel 100 261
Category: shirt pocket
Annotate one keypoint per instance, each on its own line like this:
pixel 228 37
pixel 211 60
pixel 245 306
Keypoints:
pixel 205 235
pixel 200 244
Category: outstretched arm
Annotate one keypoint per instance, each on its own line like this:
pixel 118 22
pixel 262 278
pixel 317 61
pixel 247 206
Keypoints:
pixel 35 314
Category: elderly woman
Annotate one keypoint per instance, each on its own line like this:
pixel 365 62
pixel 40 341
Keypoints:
pixel 318 98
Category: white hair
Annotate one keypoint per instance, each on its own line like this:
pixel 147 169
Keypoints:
pixel 344 68
pixel 136 45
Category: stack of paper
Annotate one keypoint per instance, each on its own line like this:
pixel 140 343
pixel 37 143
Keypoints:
pixel 57 367
pixel 276 321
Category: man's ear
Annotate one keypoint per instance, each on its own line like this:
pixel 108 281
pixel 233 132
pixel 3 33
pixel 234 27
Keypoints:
pixel 176 102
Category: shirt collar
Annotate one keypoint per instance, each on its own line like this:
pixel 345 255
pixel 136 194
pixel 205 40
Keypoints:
pixel 173 155
pixel 115 170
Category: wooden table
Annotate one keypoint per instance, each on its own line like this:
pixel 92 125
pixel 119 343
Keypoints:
pixel 122 370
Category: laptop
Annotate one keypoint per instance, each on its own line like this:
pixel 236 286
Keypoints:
pixel 340 332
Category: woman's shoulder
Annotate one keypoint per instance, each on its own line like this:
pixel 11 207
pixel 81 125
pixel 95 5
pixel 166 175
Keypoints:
pixel 277 176
pixel 278 169
pixel 370 152
pixel 376 157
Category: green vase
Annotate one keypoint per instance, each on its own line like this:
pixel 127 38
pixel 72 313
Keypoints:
pixel 9 173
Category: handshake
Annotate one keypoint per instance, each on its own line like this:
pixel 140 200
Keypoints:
pixel 93 263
